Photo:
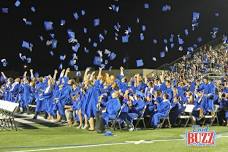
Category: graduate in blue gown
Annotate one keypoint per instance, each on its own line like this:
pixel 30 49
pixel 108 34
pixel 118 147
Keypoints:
pixel 39 90
pixel 14 91
pixel 136 106
pixel 112 108
pixel 27 94
pixel 162 111
pixel 168 90
pixel 92 100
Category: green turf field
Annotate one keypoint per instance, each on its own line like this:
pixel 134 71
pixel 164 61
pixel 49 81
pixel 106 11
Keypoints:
pixel 65 139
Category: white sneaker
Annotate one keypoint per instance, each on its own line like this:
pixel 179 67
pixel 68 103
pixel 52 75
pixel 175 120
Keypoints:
pixel 131 129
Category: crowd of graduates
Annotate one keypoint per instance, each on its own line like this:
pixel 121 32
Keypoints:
pixel 66 100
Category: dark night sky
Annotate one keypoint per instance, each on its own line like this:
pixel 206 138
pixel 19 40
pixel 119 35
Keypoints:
pixel 159 25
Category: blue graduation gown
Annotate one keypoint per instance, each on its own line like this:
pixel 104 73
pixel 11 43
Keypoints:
pixel 26 97
pixel 162 111
pixel 112 108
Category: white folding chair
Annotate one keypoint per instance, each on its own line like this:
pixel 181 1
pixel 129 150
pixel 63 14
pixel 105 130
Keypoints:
pixel 187 115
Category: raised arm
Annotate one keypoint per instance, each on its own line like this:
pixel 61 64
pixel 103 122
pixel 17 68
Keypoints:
pixel 31 73
pixel 62 73
pixel 99 73
pixel 25 74
pixel 162 76
pixel 67 72
pixel 121 71
pixel 4 76
pixel 55 75
pixel 86 74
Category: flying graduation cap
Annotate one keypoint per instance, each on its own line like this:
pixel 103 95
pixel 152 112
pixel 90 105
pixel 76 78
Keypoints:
pixel 125 38
pixel 17 3
pixel 96 22
pixel 48 25
pixel 139 63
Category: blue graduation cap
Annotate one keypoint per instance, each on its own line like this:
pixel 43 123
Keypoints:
pixel 72 62
pixel 76 47
pixel 125 38
pixel 171 38
pixel 180 40
pixel 129 29
pixel 186 32
pixel 48 25
pixel 83 12
pixel 139 63
pixel 141 36
pixel 33 9
pixel 76 67
pixel 116 27
pixel 26 45
pixel 146 5
pixel 155 41
pixel 85 30
pixel 62 22
pixel 17 3
pixel 4 62
pixel 71 34
pixel 75 14
pixel 94 44
pixel 62 57
pixel 52 35
pixel 36 74
pixel 54 43
pixel 96 22
pixel 86 50
pixel 101 37
pixel 5 10
pixel 29 60
pixel 195 16
pixel 115 8
pixel 97 60
pixel 143 28
pixel 28 23
pixel 162 54
pixel 108 133
pixel 166 8
pixel 199 39
pixel 215 29
pixel 172 45
pixel 22 57
pixel 51 53
pixel 191 49
pixel 112 56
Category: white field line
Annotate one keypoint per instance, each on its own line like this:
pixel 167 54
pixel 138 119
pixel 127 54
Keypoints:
pixel 98 145
pixel 101 145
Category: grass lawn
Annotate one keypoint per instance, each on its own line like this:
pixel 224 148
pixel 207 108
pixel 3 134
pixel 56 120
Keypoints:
pixel 65 139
